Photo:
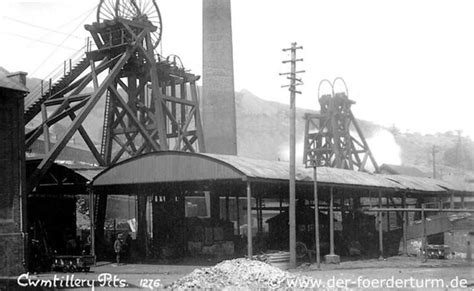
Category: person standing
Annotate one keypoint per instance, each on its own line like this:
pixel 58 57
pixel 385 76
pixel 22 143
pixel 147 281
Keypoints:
pixel 118 249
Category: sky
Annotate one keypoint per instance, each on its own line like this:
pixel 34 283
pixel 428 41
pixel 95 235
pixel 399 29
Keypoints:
pixel 406 63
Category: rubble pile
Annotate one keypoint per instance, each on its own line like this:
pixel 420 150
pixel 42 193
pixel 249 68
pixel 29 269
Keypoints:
pixel 243 273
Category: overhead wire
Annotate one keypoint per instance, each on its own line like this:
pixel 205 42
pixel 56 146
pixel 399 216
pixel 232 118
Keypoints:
pixel 88 11
pixel 39 40
pixel 62 42
pixel 38 26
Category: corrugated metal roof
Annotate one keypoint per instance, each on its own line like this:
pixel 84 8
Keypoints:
pixel 261 169
pixel 415 183
pixel 173 166
pixel 167 166
pixel 276 170
pixel 423 184
pixel 403 170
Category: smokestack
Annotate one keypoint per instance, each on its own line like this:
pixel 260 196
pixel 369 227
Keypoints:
pixel 218 101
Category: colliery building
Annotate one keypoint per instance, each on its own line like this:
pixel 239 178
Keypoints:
pixel 170 183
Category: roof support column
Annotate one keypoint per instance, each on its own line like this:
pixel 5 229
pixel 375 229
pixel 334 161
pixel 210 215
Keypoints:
pixel 423 242
pixel 331 258
pixel 142 228
pixel 215 202
pixel 249 220
pixel 101 209
pixel 227 206
pixel 237 206
pixel 405 224
pixel 380 226
pixel 331 222
pixel 316 216
pixel 92 222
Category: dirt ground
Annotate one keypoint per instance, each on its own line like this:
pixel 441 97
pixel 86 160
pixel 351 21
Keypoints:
pixel 349 275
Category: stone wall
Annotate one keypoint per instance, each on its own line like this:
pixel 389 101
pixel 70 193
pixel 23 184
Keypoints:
pixel 457 240
pixel 12 253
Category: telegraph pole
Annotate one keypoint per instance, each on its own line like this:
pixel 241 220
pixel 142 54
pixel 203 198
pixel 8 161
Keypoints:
pixel 433 153
pixel 294 81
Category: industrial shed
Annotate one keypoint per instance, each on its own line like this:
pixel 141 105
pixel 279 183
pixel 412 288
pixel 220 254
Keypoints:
pixel 170 176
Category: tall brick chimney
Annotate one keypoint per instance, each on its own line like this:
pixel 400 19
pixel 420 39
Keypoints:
pixel 218 100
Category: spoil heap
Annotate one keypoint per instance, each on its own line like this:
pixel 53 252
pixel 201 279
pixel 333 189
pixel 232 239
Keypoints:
pixel 243 273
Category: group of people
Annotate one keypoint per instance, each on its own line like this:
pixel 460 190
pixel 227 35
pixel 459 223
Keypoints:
pixel 122 247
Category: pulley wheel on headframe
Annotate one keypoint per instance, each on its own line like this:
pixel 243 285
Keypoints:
pixel 134 10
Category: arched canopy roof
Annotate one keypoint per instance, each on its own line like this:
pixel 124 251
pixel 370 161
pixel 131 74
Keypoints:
pixel 173 166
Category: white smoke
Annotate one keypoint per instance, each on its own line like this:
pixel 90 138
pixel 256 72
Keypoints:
pixel 284 152
pixel 382 144
pixel 384 148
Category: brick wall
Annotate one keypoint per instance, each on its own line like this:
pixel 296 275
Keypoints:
pixel 12 152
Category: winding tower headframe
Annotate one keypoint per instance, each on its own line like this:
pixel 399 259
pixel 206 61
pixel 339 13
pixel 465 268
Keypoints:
pixel 333 137
pixel 151 102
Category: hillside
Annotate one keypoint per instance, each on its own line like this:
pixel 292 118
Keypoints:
pixel 262 132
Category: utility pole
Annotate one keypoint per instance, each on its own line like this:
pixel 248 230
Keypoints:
pixel 294 81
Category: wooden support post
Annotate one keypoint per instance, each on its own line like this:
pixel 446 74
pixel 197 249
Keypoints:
pixel 227 207
pixel 92 222
pixel 215 203
pixel 387 203
pixel 342 206
pixel 405 225
pixel 331 221
pixel 44 116
pixel 100 211
pixel 249 220
pixel 380 226
pixel 141 221
pixel 331 257
pixel 257 208
pixel 462 202
pixel 423 243
pixel 237 206
pixel 95 81
pixel 316 217
pixel 183 95
pixel 259 214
